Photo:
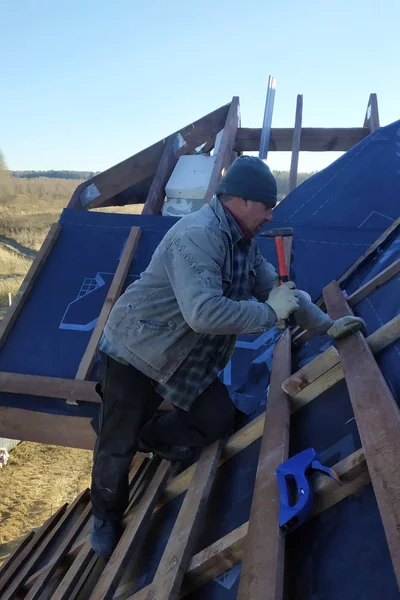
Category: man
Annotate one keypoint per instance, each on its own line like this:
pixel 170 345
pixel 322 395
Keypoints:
pixel 174 329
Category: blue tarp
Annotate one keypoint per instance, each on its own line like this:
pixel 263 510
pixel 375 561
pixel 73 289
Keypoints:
pixel 336 216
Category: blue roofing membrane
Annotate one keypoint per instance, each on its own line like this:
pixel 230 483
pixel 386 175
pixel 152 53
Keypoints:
pixel 336 215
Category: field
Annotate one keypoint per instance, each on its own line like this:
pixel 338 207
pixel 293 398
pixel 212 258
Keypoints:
pixel 28 209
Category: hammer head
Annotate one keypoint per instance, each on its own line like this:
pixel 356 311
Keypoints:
pixel 278 232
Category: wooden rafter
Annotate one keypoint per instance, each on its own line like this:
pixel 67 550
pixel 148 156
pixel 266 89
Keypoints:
pixel 102 189
pixel 155 197
pixel 12 314
pixel 378 421
pixel 225 149
pixel 294 163
pixel 113 294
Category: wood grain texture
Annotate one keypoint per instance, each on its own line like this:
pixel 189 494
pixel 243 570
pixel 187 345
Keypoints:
pixel 374 283
pixel 132 538
pixel 74 573
pixel 378 421
pixel 294 162
pixel 14 310
pixel 31 563
pixel 138 170
pixel 225 150
pixel 325 370
pixel 313 139
pixel 178 552
pixel 113 294
pixel 48 387
pixel 263 562
pixel 28 552
pixel 40 585
pixel 46 428
pixel 227 552
pixel 155 198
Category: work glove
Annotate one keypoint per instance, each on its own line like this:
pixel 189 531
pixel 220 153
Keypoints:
pixel 346 326
pixel 284 300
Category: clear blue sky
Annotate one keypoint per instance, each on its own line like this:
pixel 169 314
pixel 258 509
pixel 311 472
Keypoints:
pixel 87 83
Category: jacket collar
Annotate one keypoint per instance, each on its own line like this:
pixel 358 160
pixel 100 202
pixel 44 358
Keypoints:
pixel 227 222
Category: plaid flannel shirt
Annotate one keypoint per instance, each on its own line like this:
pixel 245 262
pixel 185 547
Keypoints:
pixel 212 353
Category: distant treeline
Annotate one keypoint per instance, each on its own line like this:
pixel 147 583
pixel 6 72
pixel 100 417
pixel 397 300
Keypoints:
pixel 54 174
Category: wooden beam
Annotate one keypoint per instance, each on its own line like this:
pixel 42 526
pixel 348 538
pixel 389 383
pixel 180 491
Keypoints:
pixel 13 312
pixel 378 421
pixel 300 338
pixel 178 552
pixel 155 198
pixel 227 552
pixel 223 157
pixel 48 387
pixel 132 538
pixel 40 585
pixel 235 444
pixel 313 139
pixel 30 549
pixel 35 557
pixel 113 294
pixel 374 283
pixel 325 370
pixel 371 121
pixel 294 163
pixel 263 562
pixel 74 573
pixel 46 428
pixel 101 189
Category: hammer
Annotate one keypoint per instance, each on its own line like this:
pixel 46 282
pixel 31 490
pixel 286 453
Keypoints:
pixel 278 235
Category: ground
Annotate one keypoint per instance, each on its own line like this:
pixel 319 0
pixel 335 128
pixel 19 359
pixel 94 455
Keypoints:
pixel 37 480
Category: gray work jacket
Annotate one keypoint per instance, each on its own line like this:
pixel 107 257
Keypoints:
pixel 158 320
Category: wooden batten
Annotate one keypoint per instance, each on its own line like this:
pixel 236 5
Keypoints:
pixel 294 163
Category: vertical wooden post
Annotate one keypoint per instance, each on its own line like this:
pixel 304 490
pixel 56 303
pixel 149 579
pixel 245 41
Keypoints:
pixel 223 157
pixel 155 197
pixel 371 120
pixel 296 144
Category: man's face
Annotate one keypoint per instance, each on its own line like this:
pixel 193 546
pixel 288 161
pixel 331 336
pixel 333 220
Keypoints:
pixel 255 215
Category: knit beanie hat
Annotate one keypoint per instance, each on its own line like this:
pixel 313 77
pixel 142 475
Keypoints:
pixel 250 178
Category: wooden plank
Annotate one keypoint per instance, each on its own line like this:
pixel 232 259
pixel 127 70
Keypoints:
pixel 325 371
pixel 102 189
pixel 155 197
pixel 169 576
pixel 113 294
pixel 132 538
pixel 48 387
pixel 300 338
pixel 13 555
pixel 235 444
pixel 378 421
pixel 267 120
pixel 374 283
pixel 228 551
pixel 46 428
pixel 42 581
pixel 32 561
pixel 13 312
pixel 313 139
pixel 74 573
pixel 294 163
pixel 263 561
pixel 223 157
pixel 371 121
pixel 30 548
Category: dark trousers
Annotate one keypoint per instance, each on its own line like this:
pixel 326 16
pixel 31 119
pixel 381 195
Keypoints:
pixel 129 404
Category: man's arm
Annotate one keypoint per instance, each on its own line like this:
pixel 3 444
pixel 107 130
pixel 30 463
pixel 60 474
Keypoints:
pixel 193 262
